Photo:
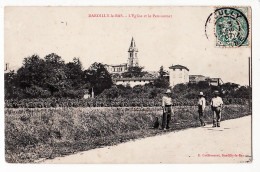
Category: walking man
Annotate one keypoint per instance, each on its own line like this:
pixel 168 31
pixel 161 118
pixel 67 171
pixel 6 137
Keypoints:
pixel 201 108
pixel 216 106
pixel 167 109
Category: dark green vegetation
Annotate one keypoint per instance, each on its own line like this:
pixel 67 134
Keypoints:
pixel 109 102
pixel 51 77
pixel 32 134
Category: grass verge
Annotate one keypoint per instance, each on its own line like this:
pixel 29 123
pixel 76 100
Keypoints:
pixel 33 134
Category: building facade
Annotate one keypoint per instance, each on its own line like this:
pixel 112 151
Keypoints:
pixel 211 81
pixel 134 81
pixel 121 68
pixel 197 78
pixel 215 81
pixel 178 74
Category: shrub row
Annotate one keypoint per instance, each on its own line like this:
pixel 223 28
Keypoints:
pixel 119 102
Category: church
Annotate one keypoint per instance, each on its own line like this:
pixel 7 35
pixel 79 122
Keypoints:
pixel 177 74
pixel 132 61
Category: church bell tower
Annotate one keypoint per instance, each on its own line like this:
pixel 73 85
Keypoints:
pixel 132 58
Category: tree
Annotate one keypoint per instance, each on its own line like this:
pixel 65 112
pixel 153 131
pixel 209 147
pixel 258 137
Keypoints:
pixel 161 81
pixel 55 78
pixel 32 72
pixel 11 85
pixel 38 76
pixel 134 72
pixel 229 88
pixel 162 72
pixel 98 77
pixel 74 74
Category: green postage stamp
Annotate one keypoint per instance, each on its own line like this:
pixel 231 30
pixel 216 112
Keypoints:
pixel 231 26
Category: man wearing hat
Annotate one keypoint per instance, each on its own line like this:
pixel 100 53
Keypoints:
pixel 216 106
pixel 201 107
pixel 167 109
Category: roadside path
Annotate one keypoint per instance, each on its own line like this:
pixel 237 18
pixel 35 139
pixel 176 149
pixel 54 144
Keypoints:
pixel 195 145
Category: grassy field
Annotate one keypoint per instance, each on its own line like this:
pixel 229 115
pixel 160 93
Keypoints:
pixel 33 134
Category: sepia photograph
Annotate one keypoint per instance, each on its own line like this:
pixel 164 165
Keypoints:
pixel 128 85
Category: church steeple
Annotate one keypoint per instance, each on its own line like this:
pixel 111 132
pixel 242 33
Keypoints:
pixel 132 59
pixel 132 45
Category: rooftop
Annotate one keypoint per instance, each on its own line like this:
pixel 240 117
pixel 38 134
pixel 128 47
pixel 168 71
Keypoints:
pixel 197 76
pixel 118 65
pixel 132 46
pixel 178 67
pixel 135 79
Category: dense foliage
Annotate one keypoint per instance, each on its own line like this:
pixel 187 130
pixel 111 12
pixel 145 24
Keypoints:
pixel 162 81
pixel 52 77
pixel 135 71
pixel 105 102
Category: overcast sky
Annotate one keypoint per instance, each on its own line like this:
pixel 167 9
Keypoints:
pixel 70 32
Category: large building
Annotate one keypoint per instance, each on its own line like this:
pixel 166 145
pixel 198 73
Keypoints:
pixel 117 70
pixel 113 69
pixel 134 81
pixel 131 62
pixel 178 74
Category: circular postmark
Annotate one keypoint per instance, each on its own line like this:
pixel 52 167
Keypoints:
pixel 230 26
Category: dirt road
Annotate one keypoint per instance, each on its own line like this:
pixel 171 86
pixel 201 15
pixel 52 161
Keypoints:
pixel 228 144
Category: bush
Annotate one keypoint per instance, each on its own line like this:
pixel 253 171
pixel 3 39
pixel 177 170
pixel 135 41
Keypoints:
pixel 109 102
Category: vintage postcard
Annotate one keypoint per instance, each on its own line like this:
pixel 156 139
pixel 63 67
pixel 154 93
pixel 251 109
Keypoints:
pixel 131 85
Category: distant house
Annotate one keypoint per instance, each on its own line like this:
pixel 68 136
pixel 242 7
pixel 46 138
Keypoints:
pixel 133 81
pixel 113 69
pixel 178 74
pixel 197 78
pixel 211 81
pixel 215 81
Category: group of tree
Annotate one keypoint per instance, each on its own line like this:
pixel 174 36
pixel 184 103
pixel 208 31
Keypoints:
pixel 52 77
pixel 134 72
pixel 179 91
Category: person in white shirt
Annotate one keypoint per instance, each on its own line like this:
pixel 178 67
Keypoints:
pixel 167 109
pixel 216 106
pixel 201 108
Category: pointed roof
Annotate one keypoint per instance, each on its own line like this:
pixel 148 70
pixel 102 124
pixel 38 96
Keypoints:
pixel 132 45
pixel 132 42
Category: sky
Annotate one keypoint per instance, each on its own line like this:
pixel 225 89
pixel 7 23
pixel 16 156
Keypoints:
pixel 70 32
